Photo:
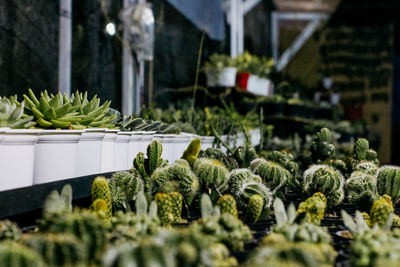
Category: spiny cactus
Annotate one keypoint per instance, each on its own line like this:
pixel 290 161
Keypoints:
pixel 192 151
pixel 314 208
pixel 361 190
pixel 367 166
pixel 59 250
pixel 381 210
pixel 254 209
pixel 176 208
pixel 338 164
pixel 366 218
pixel 388 181
pixel 227 203
pixel 9 231
pixel 244 155
pixel 285 159
pixel 12 114
pixel 147 166
pixel 240 176
pixel 124 186
pixel 100 208
pixel 327 180
pixel 58 203
pixel 211 173
pixel 101 190
pixel 273 174
pixel 17 255
pixel 250 188
pixel 84 225
pixel 164 204
pixel 216 153
pixel 322 147
pixel 361 153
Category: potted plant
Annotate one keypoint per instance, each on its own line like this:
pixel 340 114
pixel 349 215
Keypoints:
pixel 220 71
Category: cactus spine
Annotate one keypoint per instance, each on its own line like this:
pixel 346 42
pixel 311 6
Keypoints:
pixel 254 209
pixel 367 166
pixel 388 181
pixel 314 208
pixel 381 209
pixel 272 173
pixel 101 190
pixel 192 151
pixel 17 255
pixel 164 204
pixel 361 189
pixel 227 204
pixel 285 159
pixel 176 209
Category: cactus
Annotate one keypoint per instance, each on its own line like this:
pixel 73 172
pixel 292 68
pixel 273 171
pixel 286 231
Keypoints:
pixel 381 210
pixel 101 190
pixel 367 166
pixel 366 218
pixel 327 180
pixel 147 166
pixel 192 151
pixel 123 187
pixel 164 204
pixel 84 225
pixel 314 208
pixel 59 250
pixel 388 181
pixel 100 208
pixel 362 153
pixel 216 153
pixel 322 147
pixel 12 114
pixel 338 164
pixel 9 231
pixel 176 177
pixel 244 155
pixel 211 173
pixel 17 255
pixel 273 174
pixel 176 207
pixel 285 159
pixel 361 190
pixel 58 203
pixel 254 209
pixel 227 204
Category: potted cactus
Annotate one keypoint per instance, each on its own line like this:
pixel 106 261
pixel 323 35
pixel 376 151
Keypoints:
pixel 220 71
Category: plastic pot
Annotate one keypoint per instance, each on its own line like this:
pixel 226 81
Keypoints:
pixel 121 151
pixel 108 150
pixel 17 154
pixel 180 143
pixel 56 155
pixel 147 138
pixel 242 79
pixel 206 142
pixel 133 147
pixel 255 136
pixel 90 151
pixel 227 77
pixel 212 77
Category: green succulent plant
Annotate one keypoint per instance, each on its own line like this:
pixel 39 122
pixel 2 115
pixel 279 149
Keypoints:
pixel 322 147
pixel 176 208
pixel 286 160
pixel 388 181
pixel 59 249
pixel 244 155
pixel 227 204
pixel 164 204
pixel 58 203
pixel 132 123
pixel 9 231
pixel 100 208
pixel 327 180
pixel 212 173
pixel 314 208
pixel 367 166
pixel 381 209
pixel 17 255
pixel 362 153
pixel 12 114
pixel 147 166
pixel 101 190
pixel 338 164
pixel 361 190
pixel 192 151
pixel 254 209
pixel 216 153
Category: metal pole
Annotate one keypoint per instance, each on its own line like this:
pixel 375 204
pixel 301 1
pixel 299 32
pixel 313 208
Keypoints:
pixel 64 42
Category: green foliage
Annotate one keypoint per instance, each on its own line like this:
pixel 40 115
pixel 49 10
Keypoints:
pixel 101 190
pixel 361 190
pixel 314 208
pixel 17 255
pixel 338 164
pixel 192 151
pixel 62 250
pixel 227 204
pixel 254 209
pixel 273 174
pixel 216 153
pixel 9 231
pixel 322 147
pixel 327 180
pixel 133 123
pixel 388 181
pixel 12 114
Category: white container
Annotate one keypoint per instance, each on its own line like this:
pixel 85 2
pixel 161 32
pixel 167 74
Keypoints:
pixel 255 136
pixel 206 142
pixel 133 147
pixel 227 77
pixel 180 143
pixel 168 148
pixel 56 155
pixel 147 138
pixel 212 78
pixel 121 151
pixel 108 150
pixel 89 151
pixel 17 153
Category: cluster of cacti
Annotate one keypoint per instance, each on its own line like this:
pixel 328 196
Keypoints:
pixel 192 151
pixel 101 190
pixel 362 153
pixel 9 231
pixel 18 255
pixel 169 207
pixel 244 155
pixel 313 208
pixel 381 209
pixel 338 164
pixel 133 123
pixel 176 177
pixel 388 181
pixel 272 173
pixel 147 166
pixel 12 114
pixel 216 153
pixel 212 174
pixel 124 185
pixel 322 147
pixel 285 159
pixel 367 166
pixel 361 190
pixel 227 204
pixel 254 209
pixel 59 249
pixel 327 180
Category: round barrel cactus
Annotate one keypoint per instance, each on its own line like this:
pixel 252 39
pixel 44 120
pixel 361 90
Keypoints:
pixel 211 173
pixel 361 190
pixel 17 255
pixel 388 181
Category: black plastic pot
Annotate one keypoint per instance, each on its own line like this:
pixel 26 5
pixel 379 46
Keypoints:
pixel 273 109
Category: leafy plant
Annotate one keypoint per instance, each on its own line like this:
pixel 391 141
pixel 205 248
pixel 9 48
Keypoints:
pixel 12 114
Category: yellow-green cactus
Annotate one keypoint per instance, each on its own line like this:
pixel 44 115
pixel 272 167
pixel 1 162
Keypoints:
pixel 101 190
pixel 176 209
pixel 381 209
pixel 314 208
pixel 227 204
pixel 366 218
pixel 18 255
pixel 164 204
pixel 192 151
pixel 9 231
pixel 100 208
pixel 254 209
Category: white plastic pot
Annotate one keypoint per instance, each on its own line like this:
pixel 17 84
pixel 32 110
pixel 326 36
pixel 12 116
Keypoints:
pixel 147 138
pixel 89 151
pixel 56 155
pixel 17 155
pixel 108 150
pixel 255 136
pixel 168 148
pixel 133 147
pixel 227 77
pixel 206 142
pixel 121 151
pixel 212 78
